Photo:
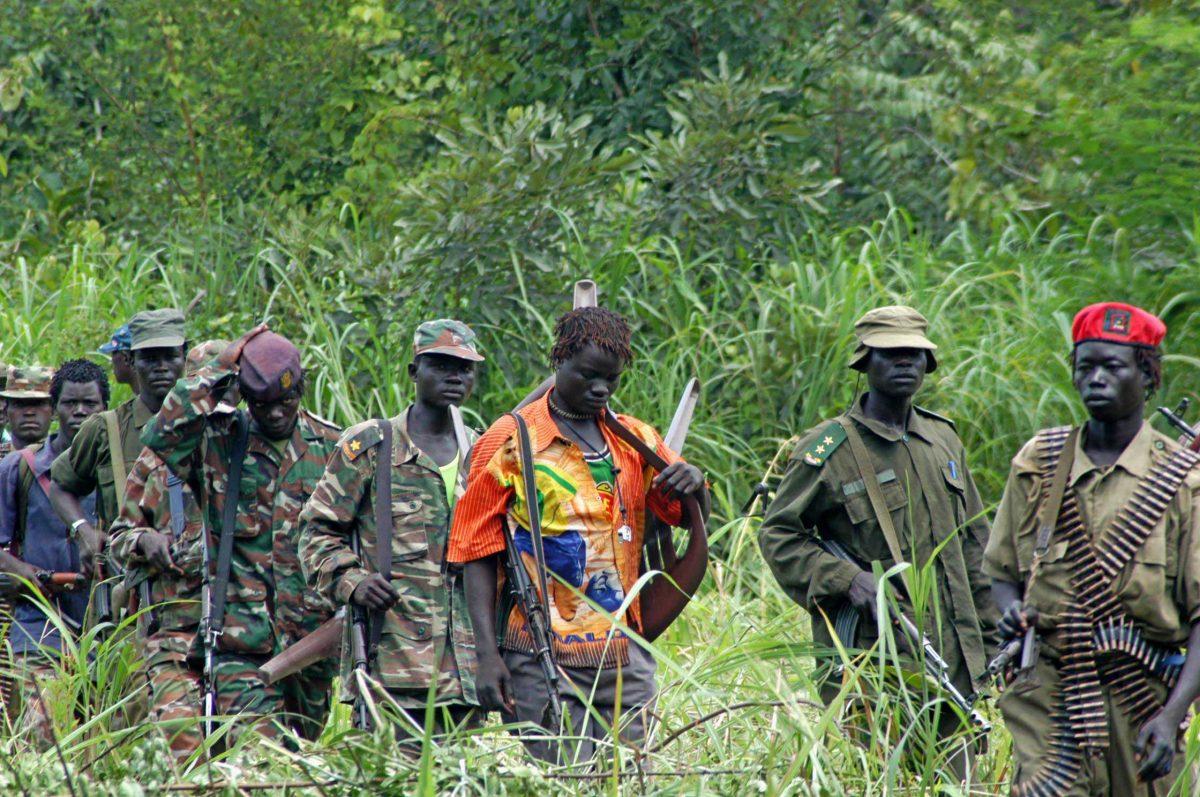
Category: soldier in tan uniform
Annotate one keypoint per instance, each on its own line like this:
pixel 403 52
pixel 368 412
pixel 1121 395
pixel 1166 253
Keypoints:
pixel 1096 546
pixel 425 639
pixel 919 469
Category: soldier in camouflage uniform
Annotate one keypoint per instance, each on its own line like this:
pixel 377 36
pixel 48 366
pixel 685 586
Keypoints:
pixel 269 605
pixel 426 640
pixel 158 502
pixel 89 465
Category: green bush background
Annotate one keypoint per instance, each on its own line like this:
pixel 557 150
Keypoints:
pixel 742 178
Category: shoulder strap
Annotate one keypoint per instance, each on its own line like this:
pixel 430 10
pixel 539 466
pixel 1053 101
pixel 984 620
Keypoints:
pixel 383 520
pixel 175 503
pixel 534 509
pixel 27 454
pixel 866 469
pixel 233 491
pixel 116 452
pixel 1052 507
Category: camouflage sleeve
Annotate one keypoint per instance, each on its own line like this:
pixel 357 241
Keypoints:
pixel 74 470
pixel 328 519
pixel 135 517
pixel 177 431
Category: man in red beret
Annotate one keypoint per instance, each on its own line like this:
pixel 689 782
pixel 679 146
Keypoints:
pixel 257 598
pixel 1096 549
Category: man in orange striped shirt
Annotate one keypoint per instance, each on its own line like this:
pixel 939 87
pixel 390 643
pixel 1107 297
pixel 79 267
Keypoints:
pixel 593 490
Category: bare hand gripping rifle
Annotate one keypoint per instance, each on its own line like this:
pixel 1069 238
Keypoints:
pixel 846 627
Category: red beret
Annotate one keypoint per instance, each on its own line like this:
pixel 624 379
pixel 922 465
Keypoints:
pixel 269 367
pixel 1114 322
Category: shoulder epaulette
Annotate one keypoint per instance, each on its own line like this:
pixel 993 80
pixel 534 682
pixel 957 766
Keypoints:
pixel 824 444
pixel 934 415
pixel 360 438
pixel 317 420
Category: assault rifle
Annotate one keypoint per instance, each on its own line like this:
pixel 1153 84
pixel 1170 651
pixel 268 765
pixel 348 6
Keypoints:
pixel 538 622
pixel 46 581
pixel 936 668
pixel 209 637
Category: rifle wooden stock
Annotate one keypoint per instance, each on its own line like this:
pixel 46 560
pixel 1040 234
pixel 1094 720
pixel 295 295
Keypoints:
pixel 585 296
pixel 315 646
pixel 665 597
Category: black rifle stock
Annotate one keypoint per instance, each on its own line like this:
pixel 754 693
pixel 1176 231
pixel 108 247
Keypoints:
pixel 526 597
pixel 936 668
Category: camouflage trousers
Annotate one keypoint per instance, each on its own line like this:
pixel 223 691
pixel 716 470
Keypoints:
pixel 299 703
pixel 31 702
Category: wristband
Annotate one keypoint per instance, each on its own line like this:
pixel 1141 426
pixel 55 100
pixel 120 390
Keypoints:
pixel 75 527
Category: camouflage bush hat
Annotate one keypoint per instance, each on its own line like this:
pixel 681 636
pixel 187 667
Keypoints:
pixel 201 353
pixel 27 382
pixel 446 336
pixel 269 367
pixel 152 329
pixel 121 340
pixel 892 327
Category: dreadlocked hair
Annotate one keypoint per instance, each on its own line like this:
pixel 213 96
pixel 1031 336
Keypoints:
pixel 78 372
pixel 602 328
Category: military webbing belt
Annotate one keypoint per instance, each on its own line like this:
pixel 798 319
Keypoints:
pixel 116 453
pixel 1101 643
pixel 383 527
pixel 229 507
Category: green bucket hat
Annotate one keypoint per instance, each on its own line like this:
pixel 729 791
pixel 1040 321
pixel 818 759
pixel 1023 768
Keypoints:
pixel 446 336
pixel 27 382
pixel 152 329
pixel 893 327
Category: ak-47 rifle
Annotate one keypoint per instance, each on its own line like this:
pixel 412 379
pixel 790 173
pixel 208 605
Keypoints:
pixel 359 654
pixel 46 581
pixel 846 627
pixel 209 637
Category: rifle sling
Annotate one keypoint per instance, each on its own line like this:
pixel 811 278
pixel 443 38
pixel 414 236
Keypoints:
pixel 866 469
pixel 229 507
pixel 116 453
pixel 383 526
pixel 534 510
pixel 1052 507
pixel 175 504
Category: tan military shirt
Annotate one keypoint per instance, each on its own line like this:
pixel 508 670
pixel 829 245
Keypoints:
pixel 1160 587
pixel 87 464
pixel 933 501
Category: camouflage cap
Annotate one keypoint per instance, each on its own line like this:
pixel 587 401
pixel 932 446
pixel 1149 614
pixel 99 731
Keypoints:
pixel 27 382
pixel 446 336
pixel 121 340
pixel 269 367
pixel 892 327
pixel 152 329
pixel 201 353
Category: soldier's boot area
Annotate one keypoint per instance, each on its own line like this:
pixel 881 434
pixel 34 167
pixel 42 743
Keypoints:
pixel 587 736
pixel 409 731
pixel 175 701
pixel 307 695
pixel 1026 715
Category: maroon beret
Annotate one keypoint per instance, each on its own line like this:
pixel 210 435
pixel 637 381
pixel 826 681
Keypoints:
pixel 269 367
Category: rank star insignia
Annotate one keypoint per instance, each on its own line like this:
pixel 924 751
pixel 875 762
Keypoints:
pixel 355 446
pixel 828 440
pixel 820 449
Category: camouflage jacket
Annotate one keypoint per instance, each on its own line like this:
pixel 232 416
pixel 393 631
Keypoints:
pixel 175 597
pixel 428 631
pixel 268 603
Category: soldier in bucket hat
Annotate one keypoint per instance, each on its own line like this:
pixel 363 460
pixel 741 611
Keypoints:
pixel 268 605
pixel 429 475
pixel 108 443
pixel 918 465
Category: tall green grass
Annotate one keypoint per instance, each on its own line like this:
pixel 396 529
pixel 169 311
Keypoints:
pixel 768 338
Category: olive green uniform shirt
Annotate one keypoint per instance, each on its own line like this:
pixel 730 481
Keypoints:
pixel 933 502
pixel 1159 587
pixel 87 464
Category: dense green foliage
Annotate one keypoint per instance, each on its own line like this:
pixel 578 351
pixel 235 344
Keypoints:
pixel 742 179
